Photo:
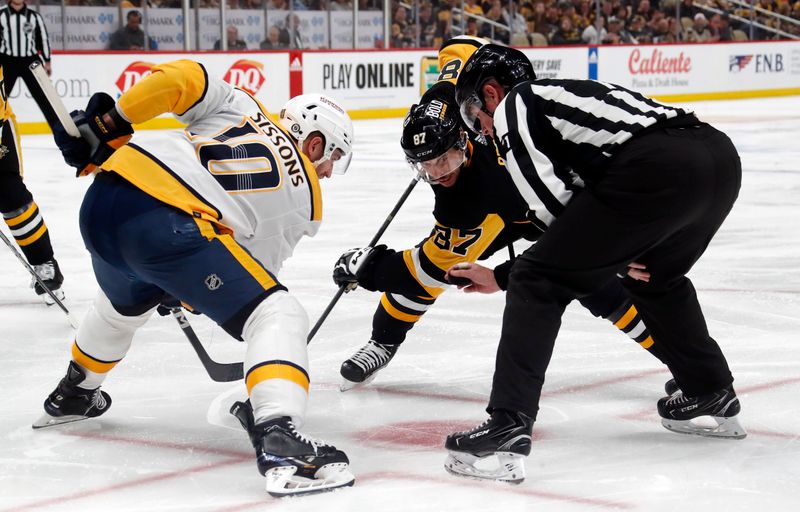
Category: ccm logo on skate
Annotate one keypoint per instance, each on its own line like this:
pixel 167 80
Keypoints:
pixel 132 74
pixel 478 434
pixel 689 408
pixel 247 75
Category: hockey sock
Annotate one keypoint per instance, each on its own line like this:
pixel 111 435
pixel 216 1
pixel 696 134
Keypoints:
pixel 29 230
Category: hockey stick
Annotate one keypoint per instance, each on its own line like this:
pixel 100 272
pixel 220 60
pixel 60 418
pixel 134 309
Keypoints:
pixel 372 243
pixel 219 372
pixel 53 98
pixel 38 279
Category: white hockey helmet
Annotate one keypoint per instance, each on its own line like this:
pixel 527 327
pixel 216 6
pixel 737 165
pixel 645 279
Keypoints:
pixel 308 113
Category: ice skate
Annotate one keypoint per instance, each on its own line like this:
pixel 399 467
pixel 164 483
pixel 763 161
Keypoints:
pixel 671 387
pixel 505 436
pixel 293 464
pixel 683 414
pixel 70 403
pixel 51 276
pixel 364 365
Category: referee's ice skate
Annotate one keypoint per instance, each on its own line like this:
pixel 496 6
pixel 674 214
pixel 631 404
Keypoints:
pixel 505 436
pixel 293 464
pixel 69 402
pixel 680 413
pixel 363 366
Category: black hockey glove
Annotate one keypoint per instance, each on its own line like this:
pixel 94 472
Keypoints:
pixel 168 303
pixel 353 264
pixel 103 131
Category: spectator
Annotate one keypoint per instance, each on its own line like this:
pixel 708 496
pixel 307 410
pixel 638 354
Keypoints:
pixel 444 24
pixel 640 30
pixel 590 34
pixel 427 25
pixel 698 32
pixel 617 33
pixel 131 36
pixel 514 19
pixel 291 33
pixel 489 31
pixel 566 33
pixel 645 10
pixel 537 21
pixel 273 40
pixel 720 29
pixel 552 22
pixel 234 43
pixel 688 9
pixel 666 30
pixel 471 29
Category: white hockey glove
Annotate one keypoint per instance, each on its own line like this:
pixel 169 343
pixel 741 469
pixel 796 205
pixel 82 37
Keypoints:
pixel 351 265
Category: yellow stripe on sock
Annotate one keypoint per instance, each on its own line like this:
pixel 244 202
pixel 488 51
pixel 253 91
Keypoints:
pixel 34 237
pixel 89 362
pixel 626 318
pixel 396 313
pixel 647 342
pixel 19 219
pixel 276 371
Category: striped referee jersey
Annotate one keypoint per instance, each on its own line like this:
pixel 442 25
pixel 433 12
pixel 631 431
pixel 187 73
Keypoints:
pixel 23 33
pixel 556 133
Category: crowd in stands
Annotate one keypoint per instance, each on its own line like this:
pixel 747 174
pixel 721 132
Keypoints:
pixel 565 22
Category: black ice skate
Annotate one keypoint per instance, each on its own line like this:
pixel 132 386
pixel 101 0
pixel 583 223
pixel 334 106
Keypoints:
pixel 51 276
pixel 678 413
pixel 292 463
pixel 70 403
pixel 364 365
pixel 671 387
pixel 505 434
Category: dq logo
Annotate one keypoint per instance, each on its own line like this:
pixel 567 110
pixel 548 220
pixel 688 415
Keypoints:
pixel 247 75
pixel 132 74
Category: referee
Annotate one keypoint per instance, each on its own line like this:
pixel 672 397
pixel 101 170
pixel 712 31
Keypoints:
pixel 24 41
pixel 614 178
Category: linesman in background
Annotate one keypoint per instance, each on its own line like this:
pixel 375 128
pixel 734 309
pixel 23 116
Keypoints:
pixel 24 40
pixel 20 211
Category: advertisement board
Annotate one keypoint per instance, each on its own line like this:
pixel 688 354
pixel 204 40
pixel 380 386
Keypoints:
pixel 365 80
pixel 264 75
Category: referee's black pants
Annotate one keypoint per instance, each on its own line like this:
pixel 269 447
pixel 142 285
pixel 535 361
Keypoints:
pixel 659 202
pixel 18 67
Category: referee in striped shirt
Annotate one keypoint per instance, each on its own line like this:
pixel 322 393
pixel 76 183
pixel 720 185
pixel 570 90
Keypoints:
pixel 613 178
pixel 24 40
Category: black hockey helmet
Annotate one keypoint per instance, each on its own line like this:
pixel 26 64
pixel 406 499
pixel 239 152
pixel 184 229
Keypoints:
pixel 429 131
pixel 508 66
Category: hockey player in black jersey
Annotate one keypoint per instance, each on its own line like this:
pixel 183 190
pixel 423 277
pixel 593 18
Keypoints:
pixel 657 185
pixel 477 211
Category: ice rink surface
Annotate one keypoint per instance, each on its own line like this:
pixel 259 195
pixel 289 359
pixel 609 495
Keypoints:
pixel 168 443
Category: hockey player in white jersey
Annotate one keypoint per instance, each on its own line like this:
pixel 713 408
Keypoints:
pixel 207 216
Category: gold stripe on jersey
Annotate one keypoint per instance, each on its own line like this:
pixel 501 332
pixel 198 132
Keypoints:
pixel 153 177
pixel 90 363
pixel 174 87
pixel 276 370
pixel 454 53
pixel 250 264
pixel 446 247
pixel 647 343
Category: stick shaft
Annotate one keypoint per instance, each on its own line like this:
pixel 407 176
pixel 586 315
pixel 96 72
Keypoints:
pixel 54 99
pixel 372 243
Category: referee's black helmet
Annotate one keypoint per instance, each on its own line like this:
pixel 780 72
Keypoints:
pixel 508 66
